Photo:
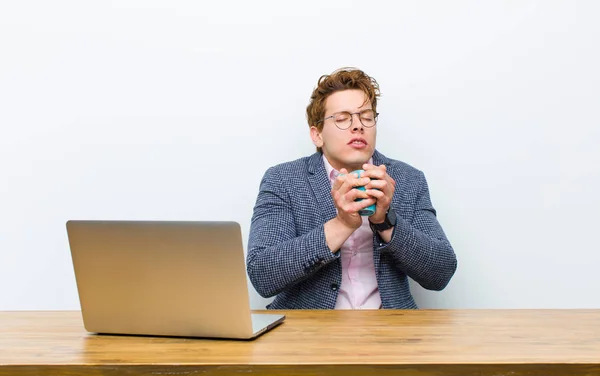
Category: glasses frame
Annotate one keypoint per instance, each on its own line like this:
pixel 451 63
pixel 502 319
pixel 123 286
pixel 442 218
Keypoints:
pixel 351 119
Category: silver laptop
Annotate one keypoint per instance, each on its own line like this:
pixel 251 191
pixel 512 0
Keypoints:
pixel 164 278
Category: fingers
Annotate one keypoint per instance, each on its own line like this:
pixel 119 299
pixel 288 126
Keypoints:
pixel 354 194
pixel 348 207
pixel 382 199
pixel 339 180
pixel 375 172
pixel 377 184
pixel 355 206
pixel 381 187
pixel 379 190
pixel 345 182
pixel 379 177
pixel 346 194
pixel 376 193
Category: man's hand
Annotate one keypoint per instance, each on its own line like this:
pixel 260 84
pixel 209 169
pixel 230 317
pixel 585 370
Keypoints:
pixel 339 229
pixel 381 188
pixel 344 195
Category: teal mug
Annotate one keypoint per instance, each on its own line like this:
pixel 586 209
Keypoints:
pixel 369 210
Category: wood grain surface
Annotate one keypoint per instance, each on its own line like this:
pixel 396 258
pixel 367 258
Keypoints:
pixel 414 342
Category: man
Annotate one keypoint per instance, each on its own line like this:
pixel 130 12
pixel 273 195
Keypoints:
pixel 310 247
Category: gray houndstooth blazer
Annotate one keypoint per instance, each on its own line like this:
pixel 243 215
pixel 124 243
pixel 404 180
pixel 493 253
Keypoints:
pixel 288 257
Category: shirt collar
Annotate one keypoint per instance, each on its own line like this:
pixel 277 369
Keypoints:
pixel 332 173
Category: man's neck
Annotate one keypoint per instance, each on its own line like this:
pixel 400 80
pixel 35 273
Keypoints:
pixel 348 168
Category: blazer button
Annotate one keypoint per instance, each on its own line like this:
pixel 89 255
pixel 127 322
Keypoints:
pixel 334 286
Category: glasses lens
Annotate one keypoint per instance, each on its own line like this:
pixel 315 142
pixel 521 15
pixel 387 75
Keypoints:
pixel 368 118
pixel 343 120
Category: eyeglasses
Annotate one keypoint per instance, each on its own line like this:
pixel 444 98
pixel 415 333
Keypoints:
pixel 343 120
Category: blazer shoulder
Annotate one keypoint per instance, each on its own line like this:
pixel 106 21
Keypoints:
pixel 290 168
pixel 399 168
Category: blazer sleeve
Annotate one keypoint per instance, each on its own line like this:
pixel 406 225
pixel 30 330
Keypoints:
pixel 278 257
pixel 419 246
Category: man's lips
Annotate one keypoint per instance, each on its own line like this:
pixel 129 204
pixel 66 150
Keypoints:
pixel 357 140
pixel 358 143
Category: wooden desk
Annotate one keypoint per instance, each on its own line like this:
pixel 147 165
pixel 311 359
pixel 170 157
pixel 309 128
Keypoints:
pixel 424 342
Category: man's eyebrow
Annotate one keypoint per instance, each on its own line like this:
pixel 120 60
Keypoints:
pixel 352 111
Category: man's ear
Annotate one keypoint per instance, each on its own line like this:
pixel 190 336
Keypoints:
pixel 316 137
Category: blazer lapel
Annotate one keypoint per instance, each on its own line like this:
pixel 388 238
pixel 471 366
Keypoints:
pixel 380 159
pixel 321 187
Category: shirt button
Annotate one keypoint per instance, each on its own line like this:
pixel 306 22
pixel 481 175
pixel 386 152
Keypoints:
pixel 334 286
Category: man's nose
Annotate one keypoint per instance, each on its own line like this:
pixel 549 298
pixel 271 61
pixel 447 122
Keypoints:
pixel 356 123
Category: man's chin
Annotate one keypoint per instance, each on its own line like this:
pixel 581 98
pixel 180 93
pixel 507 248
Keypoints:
pixel 357 163
pixel 360 157
pixel 353 160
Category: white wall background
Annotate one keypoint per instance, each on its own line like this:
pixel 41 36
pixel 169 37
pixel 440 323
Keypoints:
pixel 174 109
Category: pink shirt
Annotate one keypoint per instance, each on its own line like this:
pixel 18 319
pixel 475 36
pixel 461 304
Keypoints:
pixel 359 288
